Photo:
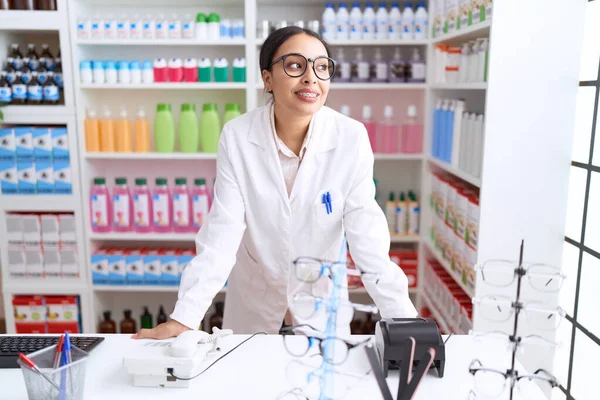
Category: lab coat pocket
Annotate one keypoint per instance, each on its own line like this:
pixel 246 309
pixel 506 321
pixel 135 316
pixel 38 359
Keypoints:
pixel 332 218
pixel 254 277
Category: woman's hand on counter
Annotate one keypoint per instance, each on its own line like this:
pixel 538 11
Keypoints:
pixel 165 330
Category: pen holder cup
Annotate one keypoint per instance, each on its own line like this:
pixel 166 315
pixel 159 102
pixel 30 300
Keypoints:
pixel 70 378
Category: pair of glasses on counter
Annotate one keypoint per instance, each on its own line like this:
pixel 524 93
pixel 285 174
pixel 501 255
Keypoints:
pixel 311 269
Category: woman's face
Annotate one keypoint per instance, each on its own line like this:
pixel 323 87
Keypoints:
pixel 304 95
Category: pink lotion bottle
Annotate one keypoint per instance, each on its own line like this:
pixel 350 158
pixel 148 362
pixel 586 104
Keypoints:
pixel 367 120
pixel 122 206
pixel 412 133
pixel 390 132
pixel 182 208
pixel 142 206
pixel 201 202
pixel 100 207
pixel 162 208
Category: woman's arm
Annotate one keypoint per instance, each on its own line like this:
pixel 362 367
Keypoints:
pixel 369 240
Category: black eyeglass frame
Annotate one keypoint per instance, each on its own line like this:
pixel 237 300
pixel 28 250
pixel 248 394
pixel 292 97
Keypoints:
pixel 283 57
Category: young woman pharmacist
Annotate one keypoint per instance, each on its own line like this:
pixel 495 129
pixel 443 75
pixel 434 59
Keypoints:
pixel 292 177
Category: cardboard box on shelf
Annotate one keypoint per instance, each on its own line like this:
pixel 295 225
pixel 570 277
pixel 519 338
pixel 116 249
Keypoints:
pixel 9 179
pixel 69 261
pixel 62 314
pixel 62 176
pixel 32 228
pixel 8 148
pixel 116 267
pixel 152 267
pixel 16 261
pixel 60 144
pixel 99 260
pixel 34 261
pixel 44 171
pixel 169 265
pixel 42 144
pixel 14 228
pixel 135 267
pixel 27 177
pixel 30 314
pixel 52 260
pixel 50 229
pixel 24 143
pixel 68 232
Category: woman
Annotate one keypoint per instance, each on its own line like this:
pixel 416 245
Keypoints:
pixel 292 177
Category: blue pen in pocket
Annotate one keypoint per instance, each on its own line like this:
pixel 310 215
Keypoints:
pixel 329 203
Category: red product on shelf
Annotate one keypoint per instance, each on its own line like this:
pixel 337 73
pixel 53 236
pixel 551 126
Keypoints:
pixel 62 314
pixel 29 313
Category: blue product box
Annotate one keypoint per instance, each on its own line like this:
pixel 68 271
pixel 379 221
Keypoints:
pixel 42 144
pixel 116 268
pixel 8 148
pixel 27 177
pixel 134 266
pixel 169 265
pixel 60 144
pixel 9 180
pixel 44 171
pixel 24 143
pixel 62 177
pixel 99 268
pixel 152 270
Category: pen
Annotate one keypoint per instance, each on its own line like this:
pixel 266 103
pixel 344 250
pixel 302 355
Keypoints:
pixel 324 200
pixel 329 202
pixel 67 348
pixel 58 352
pixel 34 367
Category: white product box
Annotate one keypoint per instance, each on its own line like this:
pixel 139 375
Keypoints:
pixel 32 229
pixel 69 261
pixel 50 229
pixel 52 262
pixel 68 233
pixel 451 14
pixel 14 228
pixel 34 261
pixel 16 261
pixel 464 10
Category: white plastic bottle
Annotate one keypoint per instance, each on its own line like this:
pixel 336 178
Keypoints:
pixel 342 19
pixel 162 27
pixel 417 68
pixel 110 27
pixel 84 27
pixel 421 24
pixel 136 27
pixel 395 18
pixel 463 69
pixel 380 70
pixel 174 27
pixel 187 30
pixel 149 28
pixel 123 27
pixel 368 32
pixel 360 69
pixel 356 22
pixel 328 22
pixel 343 70
pixel 381 23
pixel 408 22
pixel 97 29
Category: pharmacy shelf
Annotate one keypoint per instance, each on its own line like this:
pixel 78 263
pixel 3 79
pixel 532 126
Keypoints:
pixel 166 86
pixel 36 202
pixel 398 157
pixel 362 291
pixel 436 315
pixel 460 86
pixel 151 156
pixel 32 20
pixel 481 29
pixel 404 239
pixel 456 172
pixel 159 42
pixel 44 286
pixel 143 237
pixel 36 115
pixel 369 86
pixel 399 42
pixel 140 288
pixel 455 275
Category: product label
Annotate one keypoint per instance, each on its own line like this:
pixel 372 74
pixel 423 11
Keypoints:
pixel 488 9
pixel 148 30
pixel 362 70
pixel 19 91
pixel 5 95
pixel 181 210
pixel 401 220
pixel 136 30
pixel 122 29
pixel 82 33
pixel 397 71
pixel 58 79
pixel 420 28
pixel 50 93
pixel 413 220
pixel 200 209
pixel 160 210
pixel 99 210
pixel 472 225
pixel 141 210
pixel 381 71
pixel 121 210
pixel 34 92
pixel 11 78
pixel 188 31
pixel 161 31
pixel 418 71
pixel 476 11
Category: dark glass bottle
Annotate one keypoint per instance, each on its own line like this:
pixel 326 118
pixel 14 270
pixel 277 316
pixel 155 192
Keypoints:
pixel 5 90
pixel 46 5
pixel 34 89
pixel 58 79
pixel 369 325
pixel 19 88
pixel 161 317
pixel 356 327
pixel 146 319
pixel 107 325
pixel 128 323
pixel 217 317
pixel 46 58
pixel 50 90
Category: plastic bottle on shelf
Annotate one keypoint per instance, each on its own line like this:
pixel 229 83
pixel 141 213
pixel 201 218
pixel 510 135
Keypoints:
pixel 360 68
pixel 164 129
pixel 46 57
pixel 397 70
pixel 147 72
pixel 110 72
pixel 210 128
pixel 201 202
pixel 97 27
pixel 34 89
pixel 214 26
pixel 149 27
pixel 201 29
pixel 142 206
pixel 204 70
pixel 135 72
pixel 329 23
pixel 221 69
pixel 5 90
pixel 182 207
pixel 160 70
pixel 421 22
pixel 343 69
pixel 100 207
pixel 98 72
pixel 389 131
pixel 408 22
pixel 225 29
pixel 395 18
pixel 141 132
pixel 123 27
pixel 174 27
pixel 371 126
pixel 345 110
pixel 368 31
pixel 122 206
pixel 238 70
pixel 31 53
pixel 463 68
pixel 391 212
pixel 124 73
pixel 356 23
pixel 342 19
pixel 188 26
pixel 162 207
pixel 188 129
pixel 382 23
pixel 162 27
pixel 380 68
pixel 417 68
pixel 107 132
pixel 84 27
pixel 401 215
pixel 50 90
pixel 413 214
pixel 175 70
pixel 232 110
pixel 110 26
pixel 123 132
pixel 92 132
pixel 190 70
pixel 412 133
pixel 136 27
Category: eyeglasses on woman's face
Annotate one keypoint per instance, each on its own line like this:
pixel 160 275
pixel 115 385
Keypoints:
pixel 295 65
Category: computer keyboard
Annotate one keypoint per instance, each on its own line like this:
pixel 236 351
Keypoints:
pixel 11 346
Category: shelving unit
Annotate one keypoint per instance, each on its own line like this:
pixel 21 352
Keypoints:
pixel 159 42
pixel 41 203
pixel 166 86
pixel 459 86
pixel 359 43
pixel 444 263
pixel 462 35
pixel 456 172
pixel 369 86
pixel 150 156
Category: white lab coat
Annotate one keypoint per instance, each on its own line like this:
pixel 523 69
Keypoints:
pixel 256 229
